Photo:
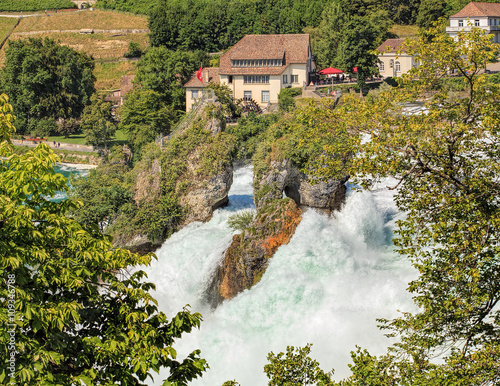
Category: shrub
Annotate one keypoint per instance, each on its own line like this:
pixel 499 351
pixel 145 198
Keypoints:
pixel 285 100
pixel 241 220
pixel 43 127
pixel 134 50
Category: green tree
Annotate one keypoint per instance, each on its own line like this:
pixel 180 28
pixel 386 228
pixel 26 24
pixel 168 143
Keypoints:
pixel 165 72
pixel 97 122
pixel 144 116
pixel 103 192
pixel 348 40
pixel 286 102
pixel 46 80
pixel 330 31
pixel 68 127
pixel 429 12
pixel 356 49
pixel 402 11
pixel 295 368
pixel 134 50
pixel 445 162
pixel 70 312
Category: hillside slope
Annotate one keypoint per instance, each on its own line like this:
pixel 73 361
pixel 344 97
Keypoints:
pixel 111 35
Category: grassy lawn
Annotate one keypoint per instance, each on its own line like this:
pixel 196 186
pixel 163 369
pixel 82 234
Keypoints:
pixel 79 139
pixel 6 24
pixel 75 139
pixel 120 138
pixel 82 20
pixel 404 31
pixel 108 74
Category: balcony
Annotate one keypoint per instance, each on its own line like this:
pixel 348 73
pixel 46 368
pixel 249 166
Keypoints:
pixel 467 28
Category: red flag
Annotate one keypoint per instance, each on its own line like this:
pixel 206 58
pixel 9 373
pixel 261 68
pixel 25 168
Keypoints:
pixel 199 74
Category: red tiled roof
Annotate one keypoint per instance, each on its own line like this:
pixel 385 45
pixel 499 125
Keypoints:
pixel 477 9
pixel 210 74
pixel 293 48
pixel 391 45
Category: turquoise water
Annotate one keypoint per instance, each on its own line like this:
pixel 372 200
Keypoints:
pixel 67 171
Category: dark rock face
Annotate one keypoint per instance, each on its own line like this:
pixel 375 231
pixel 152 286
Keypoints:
pixel 303 189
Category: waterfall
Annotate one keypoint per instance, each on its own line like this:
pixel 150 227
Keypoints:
pixel 326 287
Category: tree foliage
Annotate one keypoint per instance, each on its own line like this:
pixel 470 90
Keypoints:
pixel 159 98
pixel 295 368
pixel 70 311
pixel 144 116
pixel 214 25
pixel 445 162
pixel 103 192
pixel 46 80
pixel 348 37
pixel 429 12
pixel 98 124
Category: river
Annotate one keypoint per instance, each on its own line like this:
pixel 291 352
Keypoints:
pixel 326 287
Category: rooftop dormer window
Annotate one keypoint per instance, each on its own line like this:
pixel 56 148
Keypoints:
pixel 256 62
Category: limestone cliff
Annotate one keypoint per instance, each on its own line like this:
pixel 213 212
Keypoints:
pixel 183 181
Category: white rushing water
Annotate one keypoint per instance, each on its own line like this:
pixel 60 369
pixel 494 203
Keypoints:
pixel 326 287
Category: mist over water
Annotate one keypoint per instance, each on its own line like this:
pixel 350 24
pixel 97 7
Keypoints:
pixel 326 287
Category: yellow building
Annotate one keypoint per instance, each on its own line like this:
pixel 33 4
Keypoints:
pixel 392 64
pixel 258 67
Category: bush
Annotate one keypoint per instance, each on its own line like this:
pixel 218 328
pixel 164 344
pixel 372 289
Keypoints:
pixel 285 100
pixel 495 78
pixel 248 133
pixel 43 127
pixel 375 93
pixel 241 220
pixel 391 81
pixel 134 50
pixel 454 84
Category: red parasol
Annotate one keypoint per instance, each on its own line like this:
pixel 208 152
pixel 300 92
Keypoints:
pixel 330 70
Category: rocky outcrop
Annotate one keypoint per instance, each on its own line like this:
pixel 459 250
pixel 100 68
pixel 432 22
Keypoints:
pixel 307 191
pixel 182 181
pixel 247 258
pixel 147 186
pixel 203 198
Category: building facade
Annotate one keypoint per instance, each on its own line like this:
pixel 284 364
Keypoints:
pixel 391 63
pixel 258 67
pixel 479 15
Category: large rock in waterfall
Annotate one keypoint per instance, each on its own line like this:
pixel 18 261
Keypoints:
pixel 247 258
pixel 305 190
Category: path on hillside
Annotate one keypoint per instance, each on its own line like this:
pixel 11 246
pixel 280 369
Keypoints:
pixel 62 146
pixel 85 31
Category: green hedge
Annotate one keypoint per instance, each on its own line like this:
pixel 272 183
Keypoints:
pixel 34 5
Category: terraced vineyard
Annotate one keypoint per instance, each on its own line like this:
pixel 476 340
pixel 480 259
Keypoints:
pixel 105 35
